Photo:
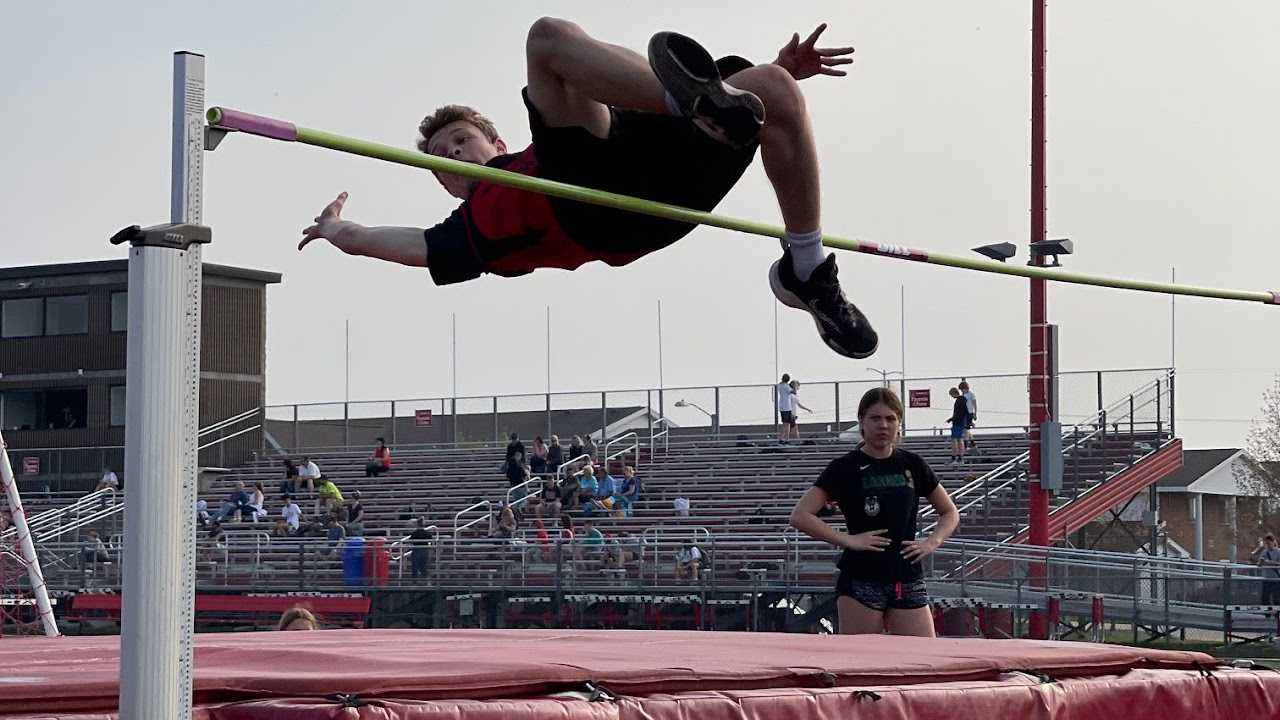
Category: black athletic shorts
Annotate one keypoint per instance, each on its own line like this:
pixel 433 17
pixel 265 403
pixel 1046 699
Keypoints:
pixel 881 596
pixel 788 417
pixel 656 157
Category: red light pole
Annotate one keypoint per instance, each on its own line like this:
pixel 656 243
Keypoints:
pixel 1039 370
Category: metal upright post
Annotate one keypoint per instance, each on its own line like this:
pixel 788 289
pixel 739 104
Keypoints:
pixel 163 381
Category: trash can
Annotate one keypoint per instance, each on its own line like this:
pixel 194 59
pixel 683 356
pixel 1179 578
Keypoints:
pixel 353 562
pixel 377 561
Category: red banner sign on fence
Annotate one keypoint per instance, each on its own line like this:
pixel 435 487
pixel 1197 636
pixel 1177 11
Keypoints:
pixel 422 418
pixel 920 398
pixel 30 466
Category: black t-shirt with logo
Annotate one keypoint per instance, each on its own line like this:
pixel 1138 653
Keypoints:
pixel 877 494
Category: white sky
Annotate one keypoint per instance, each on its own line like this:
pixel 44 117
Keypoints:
pixel 1162 150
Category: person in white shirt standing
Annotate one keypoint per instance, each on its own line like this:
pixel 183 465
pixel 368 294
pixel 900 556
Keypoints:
pixel 309 473
pixel 972 401
pixel 109 481
pixel 786 408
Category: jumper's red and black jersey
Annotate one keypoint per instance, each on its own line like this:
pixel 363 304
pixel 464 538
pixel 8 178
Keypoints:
pixel 507 231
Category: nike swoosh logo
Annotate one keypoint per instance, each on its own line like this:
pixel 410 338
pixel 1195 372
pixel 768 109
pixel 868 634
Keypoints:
pixel 864 467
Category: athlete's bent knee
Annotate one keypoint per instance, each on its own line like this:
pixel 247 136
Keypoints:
pixel 547 33
pixel 780 93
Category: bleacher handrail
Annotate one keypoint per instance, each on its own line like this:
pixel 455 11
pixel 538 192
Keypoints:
pixel 1097 422
pixel 526 485
pixel 564 468
pixel 633 448
pixel 457 517
pixel 665 434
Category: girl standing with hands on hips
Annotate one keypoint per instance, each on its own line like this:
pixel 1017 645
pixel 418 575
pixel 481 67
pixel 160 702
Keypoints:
pixel 878 487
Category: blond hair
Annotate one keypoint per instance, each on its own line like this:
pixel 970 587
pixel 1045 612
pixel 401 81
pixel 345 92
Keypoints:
pixel 448 114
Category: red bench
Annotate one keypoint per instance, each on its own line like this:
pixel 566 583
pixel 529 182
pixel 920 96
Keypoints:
pixel 342 610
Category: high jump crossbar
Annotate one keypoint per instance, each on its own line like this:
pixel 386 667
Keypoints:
pixel 224 119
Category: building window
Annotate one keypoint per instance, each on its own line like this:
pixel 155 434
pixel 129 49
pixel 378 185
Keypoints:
pixel 117 405
pixel 22 318
pixel 22 409
pixel 119 311
pixel 66 315
pixel 33 317
pixel 51 409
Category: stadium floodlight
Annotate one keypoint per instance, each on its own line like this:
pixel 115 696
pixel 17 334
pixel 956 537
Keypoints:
pixel 998 251
pixel 170 235
pixel 1052 248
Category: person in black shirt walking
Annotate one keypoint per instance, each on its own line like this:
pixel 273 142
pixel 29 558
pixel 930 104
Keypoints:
pixel 878 487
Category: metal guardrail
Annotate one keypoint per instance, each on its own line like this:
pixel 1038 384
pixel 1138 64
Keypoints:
pixel 633 449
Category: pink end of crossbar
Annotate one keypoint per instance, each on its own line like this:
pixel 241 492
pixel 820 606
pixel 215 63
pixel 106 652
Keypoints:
pixel 258 125
pixel 1275 298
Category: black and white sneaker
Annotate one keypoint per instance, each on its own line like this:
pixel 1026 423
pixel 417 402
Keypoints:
pixel 841 324
pixel 689 73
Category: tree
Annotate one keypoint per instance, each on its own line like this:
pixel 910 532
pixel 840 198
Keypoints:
pixel 1259 474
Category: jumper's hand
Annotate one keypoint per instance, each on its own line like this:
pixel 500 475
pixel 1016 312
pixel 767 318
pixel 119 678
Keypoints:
pixel 325 226
pixel 803 60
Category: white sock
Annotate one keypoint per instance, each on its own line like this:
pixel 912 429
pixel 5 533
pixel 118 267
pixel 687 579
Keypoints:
pixel 806 252
pixel 672 106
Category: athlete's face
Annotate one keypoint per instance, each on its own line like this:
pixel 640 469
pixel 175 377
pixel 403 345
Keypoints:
pixel 463 141
pixel 879 426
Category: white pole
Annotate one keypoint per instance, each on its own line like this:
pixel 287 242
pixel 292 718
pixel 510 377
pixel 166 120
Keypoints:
pixel 548 349
pixel 661 383
pixel 455 355
pixel 346 366
pixel 775 338
pixel 1173 322
pixel 162 382
pixel 27 545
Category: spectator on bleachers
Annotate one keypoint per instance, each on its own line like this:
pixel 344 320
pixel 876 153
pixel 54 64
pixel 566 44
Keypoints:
pixel 381 460
pixel 215 530
pixel 608 486
pixel 630 488
pixel 569 488
pixel 515 446
pixel 281 530
pixel 291 513
pixel 621 551
pixel 237 505
pixel 330 495
pixel 796 407
pixel 419 541
pixel 590 548
pixel 538 460
pixel 959 422
pixel 335 534
pixel 289 486
pixel 575 450
pixel 688 562
pixel 258 501
pixel 309 473
pixel 786 409
pixel 589 449
pixel 517 470
pixel 355 515
pixel 548 500
pixel 588 485
pixel 507 525
pixel 95 551
pixel 298 618
pixel 109 481
pixel 555 455
pixel 971 401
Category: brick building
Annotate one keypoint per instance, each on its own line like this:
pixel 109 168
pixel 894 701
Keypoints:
pixel 63 340
pixel 1207 509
